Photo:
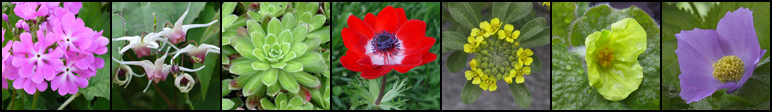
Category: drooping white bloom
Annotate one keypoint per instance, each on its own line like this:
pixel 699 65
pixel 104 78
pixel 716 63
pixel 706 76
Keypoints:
pixel 187 80
pixel 197 53
pixel 177 33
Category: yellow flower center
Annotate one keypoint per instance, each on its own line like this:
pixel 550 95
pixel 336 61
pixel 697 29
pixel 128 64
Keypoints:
pixel 605 56
pixel 728 68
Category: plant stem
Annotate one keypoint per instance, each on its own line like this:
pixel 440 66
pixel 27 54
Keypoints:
pixel 13 97
pixel 68 101
pixel 35 100
pixel 383 85
pixel 189 102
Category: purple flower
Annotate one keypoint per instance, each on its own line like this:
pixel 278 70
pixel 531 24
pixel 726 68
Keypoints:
pixel 718 59
pixel 68 82
pixel 70 32
pixel 21 24
pixel 30 10
pixel 73 7
pixel 33 61
pixel 5 17
pixel 29 86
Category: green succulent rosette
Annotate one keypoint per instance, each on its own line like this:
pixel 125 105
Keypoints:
pixel 612 59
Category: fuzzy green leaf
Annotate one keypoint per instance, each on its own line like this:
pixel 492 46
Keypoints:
pixel 293 66
pixel 242 67
pixel 270 77
pixel 470 93
pixel 253 84
pixel 521 93
pixel 453 40
pixel 534 33
pixel 227 104
pixel 288 82
pixel 465 14
pixel 457 61
pixel 306 79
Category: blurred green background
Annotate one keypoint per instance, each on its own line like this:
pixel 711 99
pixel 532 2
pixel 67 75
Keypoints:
pixel 133 18
pixel 424 80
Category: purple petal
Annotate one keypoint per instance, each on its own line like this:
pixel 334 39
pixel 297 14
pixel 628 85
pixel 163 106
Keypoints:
pixel 29 87
pixel 57 82
pixel 19 83
pixel 5 84
pixel 749 68
pixel 737 36
pixel 697 49
pixel 26 71
pixel 42 86
pixel 81 82
pixel 99 63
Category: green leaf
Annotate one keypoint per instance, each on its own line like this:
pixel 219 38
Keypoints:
pixel 534 33
pixel 453 40
pixel 227 21
pixel 270 77
pixel 267 105
pixel 224 87
pixel 288 82
pixel 139 15
pixel 299 34
pixel 246 51
pixel 322 33
pixel 227 104
pixel 465 14
pixel 99 84
pixel 470 93
pixel 274 27
pixel 253 84
pixel 257 65
pixel 242 67
pixel 312 62
pixel 273 90
pixel 205 75
pixel 561 20
pixel 457 61
pixel 306 79
pixel 288 21
pixel 228 7
pixel 510 12
pixel 521 93
pixel 278 65
pixel 536 65
pixel 602 16
pixel 296 101
pixel 293 66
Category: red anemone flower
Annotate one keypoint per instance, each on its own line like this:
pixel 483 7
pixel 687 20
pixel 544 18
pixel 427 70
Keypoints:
pixel 388 41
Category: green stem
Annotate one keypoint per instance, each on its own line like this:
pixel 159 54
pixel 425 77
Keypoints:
pixel 13 97
pixel 383 85
pixel 35 100
pixel 189 102
pixel 68 101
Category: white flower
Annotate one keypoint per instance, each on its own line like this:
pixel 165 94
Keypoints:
pixel 142 46
pixel 197 53
pixel 177 34
pixel 187 80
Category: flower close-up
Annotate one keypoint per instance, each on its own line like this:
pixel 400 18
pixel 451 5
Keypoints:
pixel 612 59
pixel 724 58
pixel 378 44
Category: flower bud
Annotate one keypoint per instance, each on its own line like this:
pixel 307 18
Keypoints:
pixel 184 82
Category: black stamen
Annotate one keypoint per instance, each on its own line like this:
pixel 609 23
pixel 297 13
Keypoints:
pixel 385 44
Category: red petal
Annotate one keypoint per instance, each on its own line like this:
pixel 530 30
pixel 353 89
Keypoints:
pixel 411 33
pixel 421 47
pixel 387 20
pixel 349 62
pixel 402 17
pixel 370 19
pixel 375 73
pixel 354 41
pixel 427 58
pixel 409 62
pixel 360 26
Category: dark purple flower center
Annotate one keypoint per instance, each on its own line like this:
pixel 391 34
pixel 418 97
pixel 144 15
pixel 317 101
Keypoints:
pixel 385 44
pixel 38 55
pixel 121 72
pixel 728 68
pixel 184 81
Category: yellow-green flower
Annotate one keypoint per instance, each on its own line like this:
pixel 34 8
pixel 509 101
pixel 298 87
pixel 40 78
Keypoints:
pixel 490 28
pixel 475 72
pixel 612 59
pixel 486 83
pixel 508 34
pixel 473 44
pixel 518 73
pixel 524 56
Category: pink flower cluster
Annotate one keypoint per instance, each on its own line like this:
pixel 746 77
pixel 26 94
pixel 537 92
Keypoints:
pixel 35 59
